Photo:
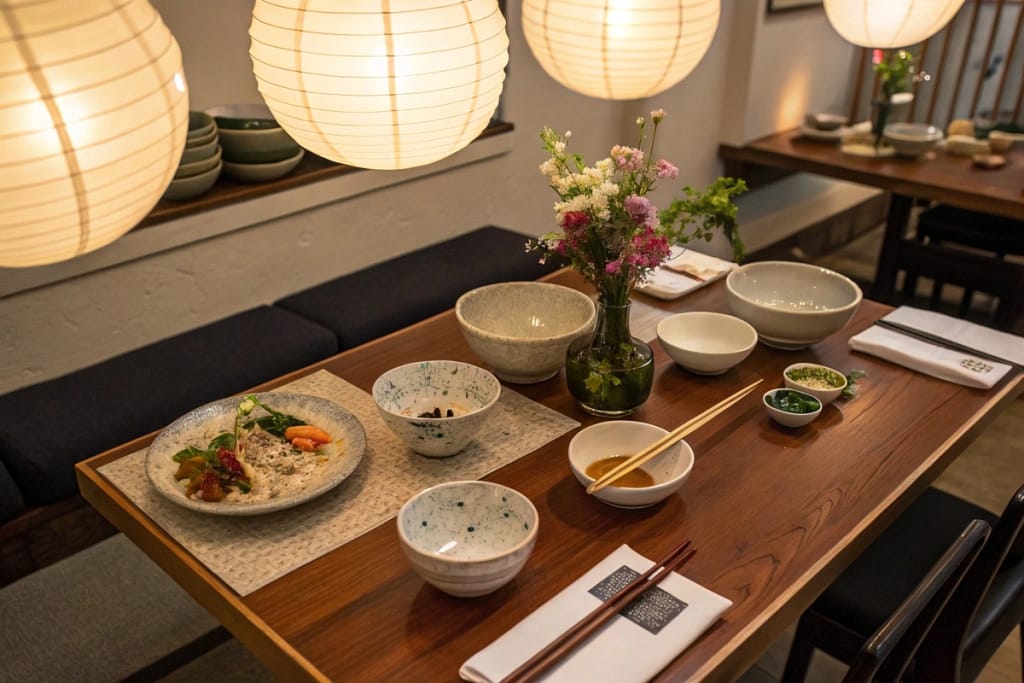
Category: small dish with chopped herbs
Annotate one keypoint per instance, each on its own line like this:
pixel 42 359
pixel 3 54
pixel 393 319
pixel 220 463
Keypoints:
pixel 791 408
pixel 820 381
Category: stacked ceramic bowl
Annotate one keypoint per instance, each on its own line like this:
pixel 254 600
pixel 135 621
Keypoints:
pixel 256 148
pixel 200 164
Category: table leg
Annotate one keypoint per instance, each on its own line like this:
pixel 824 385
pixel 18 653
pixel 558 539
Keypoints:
pixel 888 258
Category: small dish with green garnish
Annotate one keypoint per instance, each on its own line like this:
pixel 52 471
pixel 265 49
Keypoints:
pixel 791 408
pixel 820 381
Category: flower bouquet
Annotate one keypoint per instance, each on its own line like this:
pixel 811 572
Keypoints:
pixel 615 237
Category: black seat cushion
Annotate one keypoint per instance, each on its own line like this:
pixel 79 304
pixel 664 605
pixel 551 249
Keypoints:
pixel 11 502
pixel 47 427
pixel 388 296
pixel 998 234
pixel 871 588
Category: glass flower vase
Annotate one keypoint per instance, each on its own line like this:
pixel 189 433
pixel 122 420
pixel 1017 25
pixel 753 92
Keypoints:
pixel 610 374
pixel 881 110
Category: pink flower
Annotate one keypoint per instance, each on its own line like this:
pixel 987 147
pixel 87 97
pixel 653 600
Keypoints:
pixel 658 115
pixel 627 158
pixel 877 56
pixel 641 211
pixel 665 169
pixel 613 267
pixel 575 219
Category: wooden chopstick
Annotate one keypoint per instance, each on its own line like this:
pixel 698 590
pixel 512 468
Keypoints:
pixel 585 627
pixel 672 437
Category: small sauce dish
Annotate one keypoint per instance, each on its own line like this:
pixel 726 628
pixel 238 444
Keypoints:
pixel 668 470
pixel 791 407
pixel 820 381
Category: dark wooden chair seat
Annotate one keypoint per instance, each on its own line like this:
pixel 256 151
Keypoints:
pixel 968 249
pixel 982 613
pixel 887 654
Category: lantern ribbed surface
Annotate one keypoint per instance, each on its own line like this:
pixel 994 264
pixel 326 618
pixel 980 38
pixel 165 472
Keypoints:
pixel 889 23
pixel 381 84
pixel 619 49
pixel 93 119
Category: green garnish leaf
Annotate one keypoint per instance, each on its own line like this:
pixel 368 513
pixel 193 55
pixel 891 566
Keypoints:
pixel 851 383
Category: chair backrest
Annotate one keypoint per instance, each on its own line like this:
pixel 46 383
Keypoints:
pixel 887 653
pixel 945 648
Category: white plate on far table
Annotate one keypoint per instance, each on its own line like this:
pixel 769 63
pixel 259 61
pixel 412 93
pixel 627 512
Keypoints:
pixel 825 135
pixel 343 454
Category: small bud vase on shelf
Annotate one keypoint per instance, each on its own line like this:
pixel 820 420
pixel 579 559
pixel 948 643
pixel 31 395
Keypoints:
pixel 611 373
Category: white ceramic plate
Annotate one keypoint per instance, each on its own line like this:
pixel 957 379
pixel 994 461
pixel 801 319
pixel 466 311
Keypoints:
pixel 197 427
pixel 825 135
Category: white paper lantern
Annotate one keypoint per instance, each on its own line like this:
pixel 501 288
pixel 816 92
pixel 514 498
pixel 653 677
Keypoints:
pixel 93 119
pixel 889 23
pixel 381 84
pixel 619 49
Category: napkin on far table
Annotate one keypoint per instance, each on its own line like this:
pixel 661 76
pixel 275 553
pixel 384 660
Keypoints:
pixel 937 361
pixel 685 271
pixel 666 620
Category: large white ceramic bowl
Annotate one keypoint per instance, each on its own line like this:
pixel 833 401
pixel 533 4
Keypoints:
pixel 468 538
pixel 706 343
pixel 670 469
pixel 522 329
pixel 405 393
pixel 912 139
pixel 792 305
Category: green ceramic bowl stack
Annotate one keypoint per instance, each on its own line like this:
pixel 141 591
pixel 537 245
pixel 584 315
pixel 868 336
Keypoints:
pixel 200 164
pixel 256 148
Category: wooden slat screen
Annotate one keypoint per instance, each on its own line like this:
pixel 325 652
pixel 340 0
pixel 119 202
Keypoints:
pixel 975 67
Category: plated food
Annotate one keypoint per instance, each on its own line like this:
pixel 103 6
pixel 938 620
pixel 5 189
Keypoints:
pixel 263 452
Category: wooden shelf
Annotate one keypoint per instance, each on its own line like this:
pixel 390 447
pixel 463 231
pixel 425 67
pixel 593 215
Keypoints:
pixel 312 168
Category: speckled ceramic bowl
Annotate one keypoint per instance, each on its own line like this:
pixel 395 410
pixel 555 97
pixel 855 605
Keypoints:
pixel 468 538
pixel 522 329
pixel 405 393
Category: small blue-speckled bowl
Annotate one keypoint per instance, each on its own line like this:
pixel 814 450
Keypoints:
pixel 404 393
pixel 468 538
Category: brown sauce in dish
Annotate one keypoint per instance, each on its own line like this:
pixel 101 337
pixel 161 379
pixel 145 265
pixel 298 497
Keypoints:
pixel 634 480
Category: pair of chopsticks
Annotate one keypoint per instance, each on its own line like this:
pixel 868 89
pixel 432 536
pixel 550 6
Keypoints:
pixel 584 628
pixel 935 339
pixel 672 437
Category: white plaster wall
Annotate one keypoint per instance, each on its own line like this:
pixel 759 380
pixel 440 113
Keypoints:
pixel 51 330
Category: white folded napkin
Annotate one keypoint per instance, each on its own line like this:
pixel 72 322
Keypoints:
pixel 936 361
pixel 685 271
pixel 984 339
pixel 672 615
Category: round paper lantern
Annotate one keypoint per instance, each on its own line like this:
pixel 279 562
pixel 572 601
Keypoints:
pixel 93 119
pixel 889 23
pixel 619 49
pixel 381 84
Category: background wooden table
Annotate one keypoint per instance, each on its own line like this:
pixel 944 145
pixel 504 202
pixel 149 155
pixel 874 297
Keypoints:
pixel 937 176
pixel 775 513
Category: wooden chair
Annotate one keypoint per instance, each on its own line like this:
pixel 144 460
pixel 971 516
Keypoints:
pixel 968 248
pixel 985 609
pixel 886 655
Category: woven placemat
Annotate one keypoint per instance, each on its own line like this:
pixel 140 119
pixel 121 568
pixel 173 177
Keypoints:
pixel 250 552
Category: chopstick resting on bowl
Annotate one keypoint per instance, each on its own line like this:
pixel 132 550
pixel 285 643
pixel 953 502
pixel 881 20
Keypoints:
pixel 585 627
pixel 672 437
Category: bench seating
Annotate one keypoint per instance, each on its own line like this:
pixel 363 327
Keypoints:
pixel 391 295
pixel 47 427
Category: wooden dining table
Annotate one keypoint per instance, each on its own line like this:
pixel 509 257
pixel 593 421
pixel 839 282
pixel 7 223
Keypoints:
pixel 936 176
pixel 774 513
